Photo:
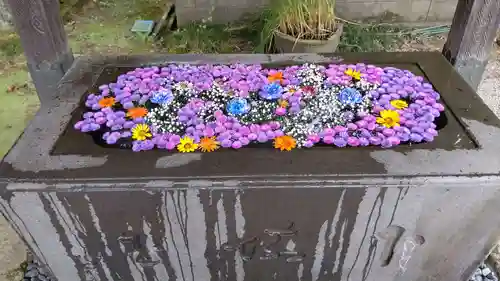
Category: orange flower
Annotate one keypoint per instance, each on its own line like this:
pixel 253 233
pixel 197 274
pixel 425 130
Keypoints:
pixel 283 103
pixel 107 102
pixel 285 143
pixel 208 144
pixel 137 112
pixel 275 77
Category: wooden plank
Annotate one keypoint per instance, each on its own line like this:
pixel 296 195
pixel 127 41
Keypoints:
pixel 471 37
pixel 44 42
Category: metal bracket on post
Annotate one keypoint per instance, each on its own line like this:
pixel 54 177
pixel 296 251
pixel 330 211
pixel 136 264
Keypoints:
pixel 44 42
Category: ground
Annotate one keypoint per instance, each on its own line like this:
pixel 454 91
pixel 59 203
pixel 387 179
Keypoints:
pixel 104 28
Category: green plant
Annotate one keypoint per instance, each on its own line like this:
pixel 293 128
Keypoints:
pixel 10 46
pixel 302 19
pixel 370 37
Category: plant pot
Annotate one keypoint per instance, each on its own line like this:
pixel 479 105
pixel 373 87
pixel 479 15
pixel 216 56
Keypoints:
pixel 288 44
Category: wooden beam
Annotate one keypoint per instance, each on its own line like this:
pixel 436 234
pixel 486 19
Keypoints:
pixel 44 41
pixel 471 37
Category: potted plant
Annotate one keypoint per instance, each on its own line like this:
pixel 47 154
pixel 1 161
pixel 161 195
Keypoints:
pixel 303 26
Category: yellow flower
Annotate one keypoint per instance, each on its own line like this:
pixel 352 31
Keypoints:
pixel 285 143
pixel 399 104
pixel 187 145
pixel 283 103
pixel 141 132
pixel 354 74
pixel 208 144
pixel 388 118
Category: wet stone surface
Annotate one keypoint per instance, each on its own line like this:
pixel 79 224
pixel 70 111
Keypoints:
pixel 77 223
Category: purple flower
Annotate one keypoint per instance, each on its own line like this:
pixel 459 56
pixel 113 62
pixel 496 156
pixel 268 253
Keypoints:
pixel 262 137
pixel 339 142
pixel 152 85
pixel 113 138
pixel 280 111
pixel 128 105
pixel 348 116
pixel 386 143
pixel 271 91
pixel 237 144
pixel 226 143
pixel 363 141
pixel 414 137
pixel 328 139
pixel 308 144
pixel 352 141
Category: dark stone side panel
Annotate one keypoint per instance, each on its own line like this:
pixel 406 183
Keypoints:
pixel 210 234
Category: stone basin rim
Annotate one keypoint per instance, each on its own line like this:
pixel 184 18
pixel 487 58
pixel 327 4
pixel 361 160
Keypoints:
pixel 483 126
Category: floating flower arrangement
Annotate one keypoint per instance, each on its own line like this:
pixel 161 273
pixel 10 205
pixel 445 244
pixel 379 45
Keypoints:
pixel 192 108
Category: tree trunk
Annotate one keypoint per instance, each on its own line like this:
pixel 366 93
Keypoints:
pixel 5 16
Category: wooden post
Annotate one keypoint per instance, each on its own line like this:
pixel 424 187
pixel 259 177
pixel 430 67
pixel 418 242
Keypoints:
pixel 44 41
pixel 471 37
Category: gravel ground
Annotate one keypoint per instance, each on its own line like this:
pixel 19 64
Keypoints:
pixel 35 272
pixel 489 88
pixel 12 253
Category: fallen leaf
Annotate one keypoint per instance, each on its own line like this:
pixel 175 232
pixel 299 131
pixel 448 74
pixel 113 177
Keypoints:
pixel 11 88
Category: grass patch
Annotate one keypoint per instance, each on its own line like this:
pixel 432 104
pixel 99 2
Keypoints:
pixel 17 274
pixel 119 10
pixel 19 103
pixel 91 37
pixel 112 10
pixel 371 38
pixel 10 45
pixel 199 37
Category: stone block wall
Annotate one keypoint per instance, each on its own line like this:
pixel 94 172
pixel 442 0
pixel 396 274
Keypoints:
pixel 405 10
pixel 5 16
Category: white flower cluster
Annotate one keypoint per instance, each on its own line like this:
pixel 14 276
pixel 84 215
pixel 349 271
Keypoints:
pixel 216 95
pixel 312 75
pixel 322 111
pixel 164 120
pixel 207 112
pixel 260 111
pixel 184 90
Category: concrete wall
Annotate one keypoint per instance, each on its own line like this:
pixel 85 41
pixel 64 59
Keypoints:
pixel 5 16
pixel 406 10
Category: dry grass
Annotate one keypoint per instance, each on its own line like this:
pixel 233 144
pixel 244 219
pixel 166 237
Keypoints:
pixel 305 19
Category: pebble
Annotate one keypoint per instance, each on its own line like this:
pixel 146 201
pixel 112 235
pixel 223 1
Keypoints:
pixel 35 273
pixel 483 273
pixel 31 273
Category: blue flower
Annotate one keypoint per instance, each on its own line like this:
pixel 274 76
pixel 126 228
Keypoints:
pixel 162 97
pixel 271 91
pixel 350 96
pixel 238 106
